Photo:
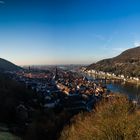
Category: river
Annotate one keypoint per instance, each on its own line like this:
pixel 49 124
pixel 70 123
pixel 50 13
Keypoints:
pixel 132 91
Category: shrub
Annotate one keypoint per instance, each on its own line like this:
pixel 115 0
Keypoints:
pixel 113 120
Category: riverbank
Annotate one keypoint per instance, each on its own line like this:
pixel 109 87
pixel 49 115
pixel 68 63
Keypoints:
pixel 128 88
pixel 113 78
pixel 133 82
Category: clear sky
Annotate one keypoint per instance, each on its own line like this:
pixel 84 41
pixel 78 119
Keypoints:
pixel 67 31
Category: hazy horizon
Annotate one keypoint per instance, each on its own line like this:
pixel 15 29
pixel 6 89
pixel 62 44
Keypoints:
pixel 44 32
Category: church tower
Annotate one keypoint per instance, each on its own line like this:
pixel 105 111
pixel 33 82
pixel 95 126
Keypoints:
pixel 56 74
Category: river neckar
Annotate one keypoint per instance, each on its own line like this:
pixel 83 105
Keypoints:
pixel 119 86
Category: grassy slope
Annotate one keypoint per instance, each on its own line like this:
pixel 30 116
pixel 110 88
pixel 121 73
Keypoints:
pixel 113 120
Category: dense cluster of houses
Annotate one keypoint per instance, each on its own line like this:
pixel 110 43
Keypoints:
pixel 64 89
pixel 81 92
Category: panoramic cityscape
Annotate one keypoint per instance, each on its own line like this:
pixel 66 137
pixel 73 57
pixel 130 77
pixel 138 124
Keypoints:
pixel 69 70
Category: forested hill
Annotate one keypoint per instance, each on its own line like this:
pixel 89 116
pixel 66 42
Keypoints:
pixel 7 66
pixel 127 63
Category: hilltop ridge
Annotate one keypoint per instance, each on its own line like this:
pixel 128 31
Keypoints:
pixel 127 63
pixel 7 65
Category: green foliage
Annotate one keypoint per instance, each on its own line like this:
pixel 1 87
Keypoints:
pixel 47 126
pixel 11 94
pixel 113 120
pixel 8 136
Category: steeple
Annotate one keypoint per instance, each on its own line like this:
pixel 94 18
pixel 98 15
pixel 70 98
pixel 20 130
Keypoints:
pixel 56 74
pixel 29 68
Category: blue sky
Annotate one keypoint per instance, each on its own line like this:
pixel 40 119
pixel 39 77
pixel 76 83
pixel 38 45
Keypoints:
pixel 67 31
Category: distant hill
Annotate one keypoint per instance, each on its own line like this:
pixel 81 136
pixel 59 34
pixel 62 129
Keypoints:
pixel 7 66
pixel 127 63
